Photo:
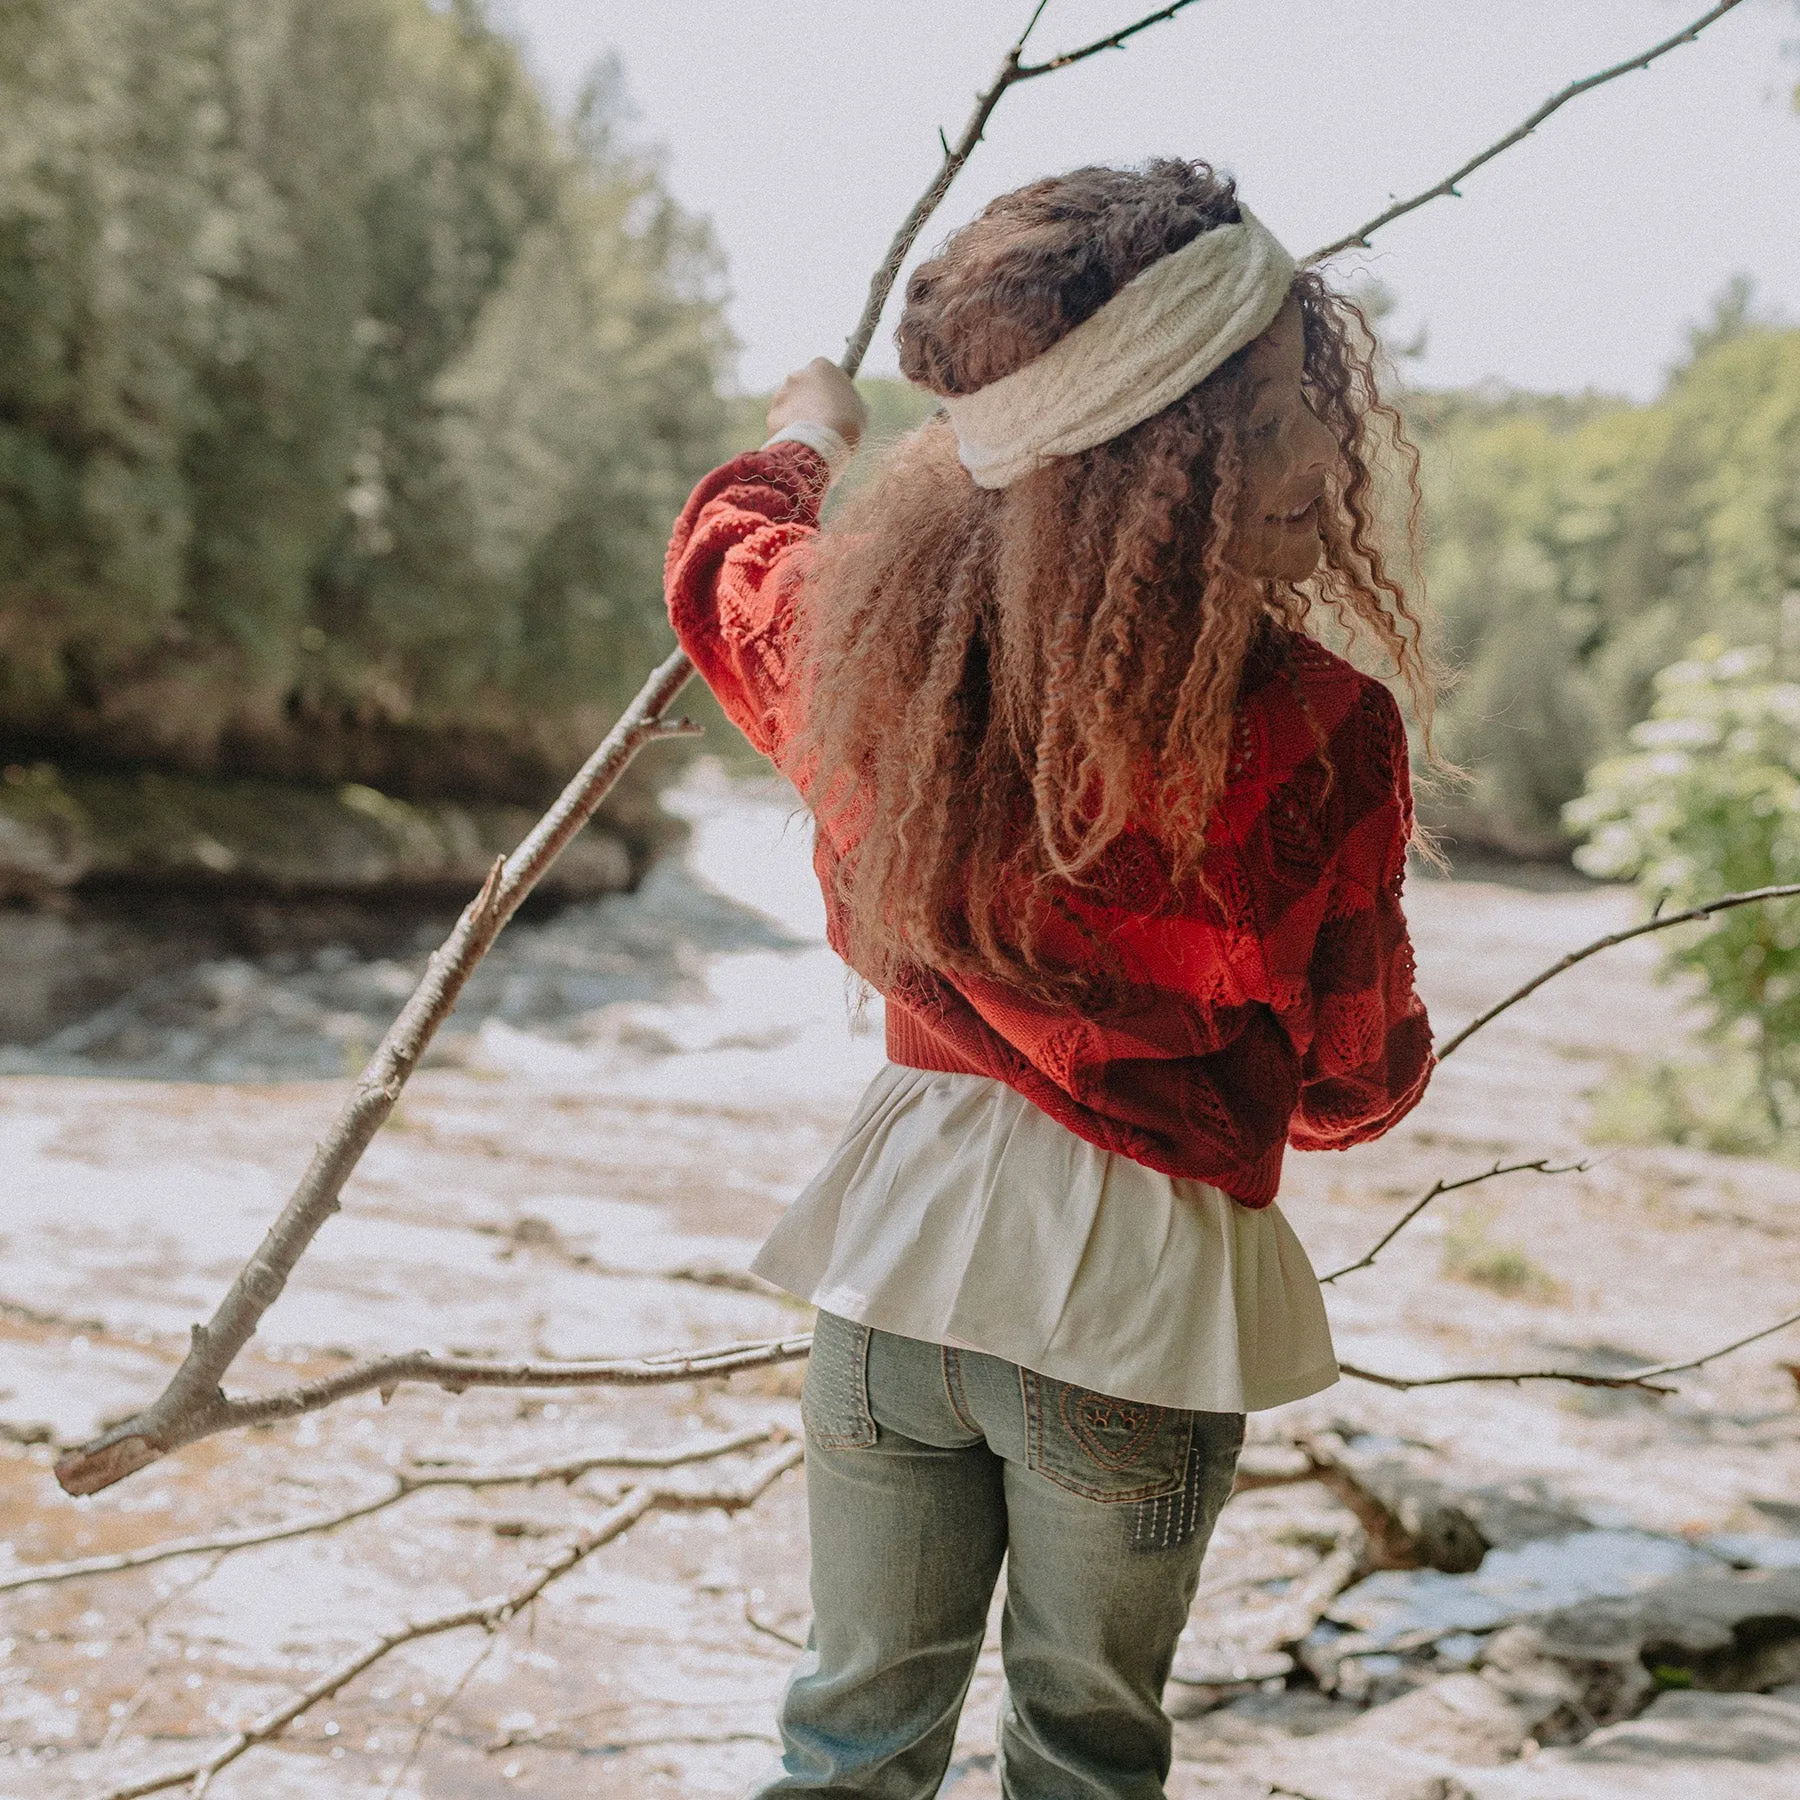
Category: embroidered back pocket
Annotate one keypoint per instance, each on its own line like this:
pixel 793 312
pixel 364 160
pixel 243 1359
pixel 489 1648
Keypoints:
pixel 834 1400
pixel 1102 1447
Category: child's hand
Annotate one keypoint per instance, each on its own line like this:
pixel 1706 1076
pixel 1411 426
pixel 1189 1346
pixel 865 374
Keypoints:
pixel 820 394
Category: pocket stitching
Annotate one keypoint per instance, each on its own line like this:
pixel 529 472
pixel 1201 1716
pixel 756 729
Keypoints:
pixel 1155 1489
pixel 859 1433
pixel 1069 1404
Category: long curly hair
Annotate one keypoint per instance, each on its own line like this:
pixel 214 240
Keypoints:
pixel 1001 680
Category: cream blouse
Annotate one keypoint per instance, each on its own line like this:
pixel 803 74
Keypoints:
pixel 956 1212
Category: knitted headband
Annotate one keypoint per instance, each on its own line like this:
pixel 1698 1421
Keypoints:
pixel 1160 335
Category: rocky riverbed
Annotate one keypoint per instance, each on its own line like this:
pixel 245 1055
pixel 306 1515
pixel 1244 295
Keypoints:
pixel 633 1090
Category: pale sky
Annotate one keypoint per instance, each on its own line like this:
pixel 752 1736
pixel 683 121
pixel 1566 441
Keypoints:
pixel 804 130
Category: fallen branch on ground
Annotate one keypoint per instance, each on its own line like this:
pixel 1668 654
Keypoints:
pixel 193 1406
pixel 1447 188
pixel 1406 1521
pixel 406 1482
pixel 1540 1166
pixel 768 1630
pixel 491 1615
pixel 1646 1379
pixel 1310 1597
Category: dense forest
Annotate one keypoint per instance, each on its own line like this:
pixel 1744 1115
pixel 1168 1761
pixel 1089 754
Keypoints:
pixel 347 397
pixel 1576 546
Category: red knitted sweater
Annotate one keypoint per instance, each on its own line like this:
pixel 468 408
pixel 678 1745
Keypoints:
pixel 1276 1008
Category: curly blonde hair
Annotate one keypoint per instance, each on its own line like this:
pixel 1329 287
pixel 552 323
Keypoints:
pixel 1000 681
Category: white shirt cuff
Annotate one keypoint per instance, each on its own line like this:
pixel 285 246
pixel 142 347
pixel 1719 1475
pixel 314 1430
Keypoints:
pixel 829 443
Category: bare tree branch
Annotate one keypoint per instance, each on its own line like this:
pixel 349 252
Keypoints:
pixel 385 1374
pixel 1011 72
pixel 768 1630
pixel 1113 41
pixel 491 1615
pixel 1359 238
pixel 1662 922
pixel 192 1406
pixel 405 1483
pixel 1541 1166
pixel 449 1699
pixel 1647 1379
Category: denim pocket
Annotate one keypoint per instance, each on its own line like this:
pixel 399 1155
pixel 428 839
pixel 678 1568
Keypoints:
pixel 1102 1447
pixel 834 1400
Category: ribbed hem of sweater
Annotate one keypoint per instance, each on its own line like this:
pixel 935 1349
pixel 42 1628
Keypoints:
pixel 914 1045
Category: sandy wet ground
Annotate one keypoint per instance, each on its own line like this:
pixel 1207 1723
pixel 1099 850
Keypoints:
pixel 581 1181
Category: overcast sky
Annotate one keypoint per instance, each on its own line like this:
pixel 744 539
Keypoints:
pixel 804 130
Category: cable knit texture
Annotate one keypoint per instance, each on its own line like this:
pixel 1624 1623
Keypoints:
pixel 1277 1007
pixel 1160 335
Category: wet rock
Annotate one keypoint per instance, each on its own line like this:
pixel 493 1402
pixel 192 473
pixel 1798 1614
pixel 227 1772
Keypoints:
pixel 1729 1631
pixel 1511 1514
pixel 1462 1717
pixel 1685 1746
pixel 1397 1607
pixel 1420 1746
pixel 1342 1767
pixel 1756 1550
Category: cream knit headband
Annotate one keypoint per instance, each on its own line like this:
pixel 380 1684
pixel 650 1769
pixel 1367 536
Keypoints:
pixel 1159 335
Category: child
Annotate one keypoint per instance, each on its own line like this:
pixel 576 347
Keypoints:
pixel 1121 845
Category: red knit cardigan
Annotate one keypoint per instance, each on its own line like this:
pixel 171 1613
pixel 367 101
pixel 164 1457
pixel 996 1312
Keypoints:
pixel 1276 1007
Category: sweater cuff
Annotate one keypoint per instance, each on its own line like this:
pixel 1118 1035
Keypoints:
pixel 823 439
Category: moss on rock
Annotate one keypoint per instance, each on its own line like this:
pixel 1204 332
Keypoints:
pixel 61 830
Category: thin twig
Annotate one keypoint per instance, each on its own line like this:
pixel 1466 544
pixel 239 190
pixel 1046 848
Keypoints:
pixel 404 1483
pixel 490 1615
pixel 1540 1166
pixel 1359 238
pixel 1647 1379
pixel 1660 922
pixel 768 1630
pixel 1113 41
pixel 1012 71
pixel 437 1712
pixel 193 1405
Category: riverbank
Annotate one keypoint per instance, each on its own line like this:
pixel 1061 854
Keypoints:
pixel 588 1175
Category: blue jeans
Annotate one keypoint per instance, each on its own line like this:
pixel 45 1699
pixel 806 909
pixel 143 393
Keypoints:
pixel 925 1466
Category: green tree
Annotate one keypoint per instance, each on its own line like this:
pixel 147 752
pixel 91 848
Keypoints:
pixel 347 399
pixel 1575 545
pixel 1707 802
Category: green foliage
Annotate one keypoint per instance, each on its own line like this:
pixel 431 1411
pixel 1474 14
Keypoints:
pixel 1709 1102
pixel 1575 545
pixel 1474 1255
pixel 1707 803
pixel 347 397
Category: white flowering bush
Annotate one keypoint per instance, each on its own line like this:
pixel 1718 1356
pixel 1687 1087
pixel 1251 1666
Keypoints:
pixel 1707 802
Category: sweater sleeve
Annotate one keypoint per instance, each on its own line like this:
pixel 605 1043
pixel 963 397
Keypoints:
pixel 731 576
pixel 1369 1057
